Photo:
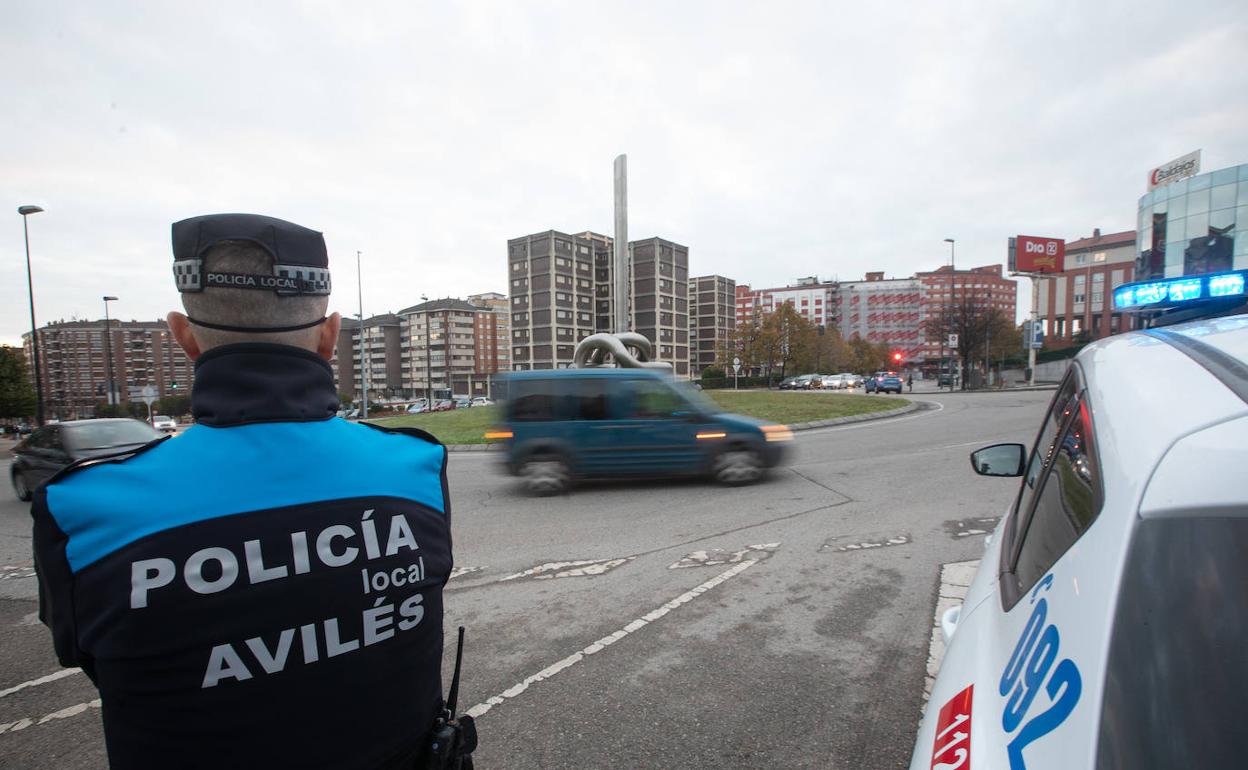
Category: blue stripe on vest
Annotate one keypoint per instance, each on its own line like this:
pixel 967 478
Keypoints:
pixel 210 472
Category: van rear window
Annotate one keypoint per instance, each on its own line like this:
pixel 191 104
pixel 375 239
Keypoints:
pixel 532 401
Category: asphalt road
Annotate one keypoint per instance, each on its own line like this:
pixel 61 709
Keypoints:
pixel 784 624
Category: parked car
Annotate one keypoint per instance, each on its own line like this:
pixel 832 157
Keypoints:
pixel 53 447
pixel 788 383
pixel 164 423
pixel 884 382
pixel 417 408
pixel 443 405
pixel 462 402
pixel 1106 622
pixel 566 424
pixel 832 382
pixel 482 401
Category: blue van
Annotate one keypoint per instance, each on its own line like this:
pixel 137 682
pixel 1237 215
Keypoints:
pixel 565 424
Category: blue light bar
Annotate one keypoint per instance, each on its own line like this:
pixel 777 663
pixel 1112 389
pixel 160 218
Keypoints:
pixel 1183 291
pixel 1226 285
pixel 1149 295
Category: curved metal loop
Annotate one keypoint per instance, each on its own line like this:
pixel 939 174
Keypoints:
pixel 629 350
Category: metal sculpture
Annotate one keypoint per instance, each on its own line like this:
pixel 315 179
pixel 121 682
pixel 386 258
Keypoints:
pixel 629 350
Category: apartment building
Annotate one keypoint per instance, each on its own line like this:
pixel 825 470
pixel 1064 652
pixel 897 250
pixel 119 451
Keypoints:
pixel 813 299
pixel 74 364
pixel 1076 305
pixel 712 318
pixel 562 291
pixel 986 287
pixel 660 299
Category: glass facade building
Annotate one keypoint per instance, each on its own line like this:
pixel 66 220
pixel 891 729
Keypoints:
pixel 1193 226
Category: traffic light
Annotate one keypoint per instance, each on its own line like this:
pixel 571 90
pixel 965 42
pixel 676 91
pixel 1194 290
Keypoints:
pixel 897 357
pixel 174 386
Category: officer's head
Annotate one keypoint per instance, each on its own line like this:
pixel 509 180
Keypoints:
pixel 250 278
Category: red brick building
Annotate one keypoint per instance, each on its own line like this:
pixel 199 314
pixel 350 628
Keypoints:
pixel 1077 305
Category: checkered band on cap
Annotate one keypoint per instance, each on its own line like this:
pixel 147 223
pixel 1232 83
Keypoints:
pixel 186 274
pixel 312 280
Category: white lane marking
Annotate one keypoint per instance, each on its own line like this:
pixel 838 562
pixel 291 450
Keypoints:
pixel 560 569
pixel 461 571
pixel 41 680
pixel 15 571
pixel 481 708
pixel 955 579
pixel 875 542
pixel 65 713
pixel 717 556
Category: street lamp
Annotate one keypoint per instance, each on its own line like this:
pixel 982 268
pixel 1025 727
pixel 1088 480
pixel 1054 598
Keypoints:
pixel 952 288
pixel 364 363
pixel 108 351
pixel 26 211
pixel 428 360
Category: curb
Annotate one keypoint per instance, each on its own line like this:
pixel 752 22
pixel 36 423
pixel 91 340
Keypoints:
pixel 910 407
pixel 1024 389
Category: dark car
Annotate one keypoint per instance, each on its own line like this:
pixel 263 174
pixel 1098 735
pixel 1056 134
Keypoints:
pixel 564 424
pixel 884 382
pixel 53 447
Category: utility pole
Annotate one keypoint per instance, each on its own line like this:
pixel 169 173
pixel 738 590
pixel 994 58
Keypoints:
pixel 26 211
pixel 108 352
pixel 364 362
pixel 953 277
pixel 1035 319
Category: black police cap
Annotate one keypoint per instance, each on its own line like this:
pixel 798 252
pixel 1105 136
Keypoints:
pixel 300 260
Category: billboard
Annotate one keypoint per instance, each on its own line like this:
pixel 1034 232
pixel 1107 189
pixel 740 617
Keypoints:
pixel 1033 254
pixel 1179 168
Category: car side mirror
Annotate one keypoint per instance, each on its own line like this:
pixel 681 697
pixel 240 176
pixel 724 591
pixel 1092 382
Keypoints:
pixel 1000 460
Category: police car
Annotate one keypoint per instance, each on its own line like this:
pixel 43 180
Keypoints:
pixel 1107 626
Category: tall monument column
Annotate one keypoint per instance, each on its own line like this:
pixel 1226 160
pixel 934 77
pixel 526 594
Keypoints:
pixel 620 267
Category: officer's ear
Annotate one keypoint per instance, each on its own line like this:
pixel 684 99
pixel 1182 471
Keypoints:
pixel 180 327
pixel 329 336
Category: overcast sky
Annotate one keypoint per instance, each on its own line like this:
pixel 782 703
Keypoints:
pixel 777 140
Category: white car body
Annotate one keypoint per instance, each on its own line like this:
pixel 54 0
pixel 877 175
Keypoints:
pixel 165 424
pixel 1170 448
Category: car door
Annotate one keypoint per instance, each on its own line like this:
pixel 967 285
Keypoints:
pixel 1045 639
pixel 45 455
pixel 656 428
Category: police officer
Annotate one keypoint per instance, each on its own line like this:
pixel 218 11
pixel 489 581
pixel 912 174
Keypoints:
pixel 264 590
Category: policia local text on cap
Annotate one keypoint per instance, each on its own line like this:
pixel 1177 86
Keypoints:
pixel 264 590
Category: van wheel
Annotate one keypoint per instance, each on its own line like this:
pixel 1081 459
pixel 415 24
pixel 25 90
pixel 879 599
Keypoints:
pixel 545 475
pixel 20 487
pixel 738 466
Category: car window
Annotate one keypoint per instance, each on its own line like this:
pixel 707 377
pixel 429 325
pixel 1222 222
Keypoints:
pixel 1176 651
pixel 103 435
pixel 1068 502
pixel 40 439
pixel 592 399
pixel 532 402
pixel 654 400
pixel 1040 452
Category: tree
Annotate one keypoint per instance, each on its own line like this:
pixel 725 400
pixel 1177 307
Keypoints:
pixel 975 323
pixel 173 406
pixel 828 351
pixel 787 338
pixel 17 394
